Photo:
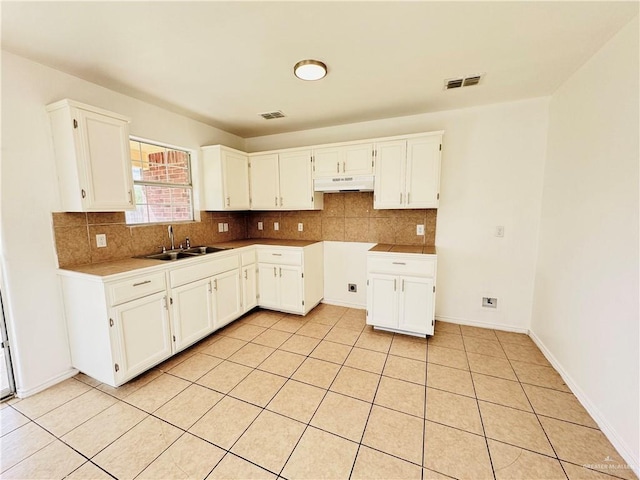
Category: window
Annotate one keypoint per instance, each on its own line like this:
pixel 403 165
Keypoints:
pixel 162 184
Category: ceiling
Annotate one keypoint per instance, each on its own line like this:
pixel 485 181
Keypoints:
pixel 223 63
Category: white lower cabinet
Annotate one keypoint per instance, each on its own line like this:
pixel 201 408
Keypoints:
pixel 121 325
pixel 143 334
pixel 290 279
pixel 401 292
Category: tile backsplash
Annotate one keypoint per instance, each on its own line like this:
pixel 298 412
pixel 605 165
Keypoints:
pixel 75 235
pixel 347 217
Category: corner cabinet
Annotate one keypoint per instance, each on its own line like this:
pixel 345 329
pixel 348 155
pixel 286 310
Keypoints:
pixel 226 178
pixel 401 291
pixel 93 158
pixel 283 181
pixel 407 172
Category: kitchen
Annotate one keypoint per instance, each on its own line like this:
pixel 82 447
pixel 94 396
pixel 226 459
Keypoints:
pixel 493 173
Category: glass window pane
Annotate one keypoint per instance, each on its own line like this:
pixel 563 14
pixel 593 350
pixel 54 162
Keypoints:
pixel 139 215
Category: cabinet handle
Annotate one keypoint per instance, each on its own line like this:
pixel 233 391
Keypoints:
pixel 276 201
pixel 210 289
pixel 338 167
pixel 280 271
pixel 344 168
pixel 280 201
pixel 141 283
pixel 83 193
pixel 111 322
pixel 394 284
pixel 245 274
pixel 402 285
pixel 400 197
pixel 275 274
pixel 130 197
pixel 215 284
pixel 166 307
pixel 276 254
pixel 398 263
pixel 408 198
pixel 228 201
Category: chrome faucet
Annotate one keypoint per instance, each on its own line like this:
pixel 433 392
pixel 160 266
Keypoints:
pixel 170 229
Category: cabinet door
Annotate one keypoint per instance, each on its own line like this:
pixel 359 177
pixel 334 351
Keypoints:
pixel 416 305
pixel 249 287
pixel 263 177
pixel 390 162
pixel 382 301
pixel 227 296
pixel 105 160
pixel 235 169
pixel 357 159
pixel 327 162
pixel 192 312
pixel 296 184
pixel 268 285
pixel 423 172
pixel 143 335
pixel 290 279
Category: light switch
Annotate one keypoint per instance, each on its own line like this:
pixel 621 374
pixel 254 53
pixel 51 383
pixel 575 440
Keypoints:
pixel 276 226
pixel 260 225
pixel 499 231
pixel 220 227
pixel 300 227
pixel 226 227
pixel 101 240
pixel 419 229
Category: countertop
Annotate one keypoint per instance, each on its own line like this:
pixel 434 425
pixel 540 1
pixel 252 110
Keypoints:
pixel 125 265
pixel 419 249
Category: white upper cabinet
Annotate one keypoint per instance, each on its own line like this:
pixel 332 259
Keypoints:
pixel 226 178
pixel 283 181
pixel 354 159
pixel 93 158
pixel 407 173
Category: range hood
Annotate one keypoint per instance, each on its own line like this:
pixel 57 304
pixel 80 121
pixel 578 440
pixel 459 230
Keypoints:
pixel 345 183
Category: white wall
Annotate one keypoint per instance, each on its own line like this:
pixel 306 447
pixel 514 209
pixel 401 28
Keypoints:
pixel 492 168
pixel 586 290
pixel 29 195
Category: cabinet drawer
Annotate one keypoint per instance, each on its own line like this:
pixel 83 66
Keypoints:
pixel 402 265
pixel 135 287
pixel 281 257
pixel 180 276
pixel 248 257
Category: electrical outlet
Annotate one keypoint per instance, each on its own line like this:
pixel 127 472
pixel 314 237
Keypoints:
pixel 260 226
pixel 221 227
pixel 101 240
pixel 300 227
pixel 490 302
pixel 353 287
pixel 499 231
pixel 276 226
pixel 419 229
pixel 226 227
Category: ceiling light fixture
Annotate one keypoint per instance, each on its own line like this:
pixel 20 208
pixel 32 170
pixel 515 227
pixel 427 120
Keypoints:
pixel 310 70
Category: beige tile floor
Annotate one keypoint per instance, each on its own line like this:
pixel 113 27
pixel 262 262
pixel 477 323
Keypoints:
pixel 324 396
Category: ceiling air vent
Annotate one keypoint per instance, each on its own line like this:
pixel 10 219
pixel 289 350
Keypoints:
pixel 462 81
pixel 272 115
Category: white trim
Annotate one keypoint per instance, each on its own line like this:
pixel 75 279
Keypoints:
pixel 606 428
pixel 338 303
pixel 20 393
pixel 475 323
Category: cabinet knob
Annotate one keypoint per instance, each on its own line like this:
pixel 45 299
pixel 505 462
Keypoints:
pixel 130 197
pixel 228 201
pixel 337 167
pixel 83 193
pixel 276 201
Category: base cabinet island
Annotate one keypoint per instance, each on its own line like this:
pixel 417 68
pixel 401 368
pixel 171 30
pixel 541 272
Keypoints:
pixel 125 316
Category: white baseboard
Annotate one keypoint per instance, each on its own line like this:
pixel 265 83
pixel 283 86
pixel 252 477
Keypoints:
pixel 475 323
pixel 343 304
pixel 619 444
pixel 20 393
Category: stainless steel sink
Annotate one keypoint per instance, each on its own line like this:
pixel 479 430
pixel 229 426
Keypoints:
pixel 185 253
pixel 203 250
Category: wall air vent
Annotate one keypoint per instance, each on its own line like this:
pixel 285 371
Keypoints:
pixel 467 81
pixel 272 115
